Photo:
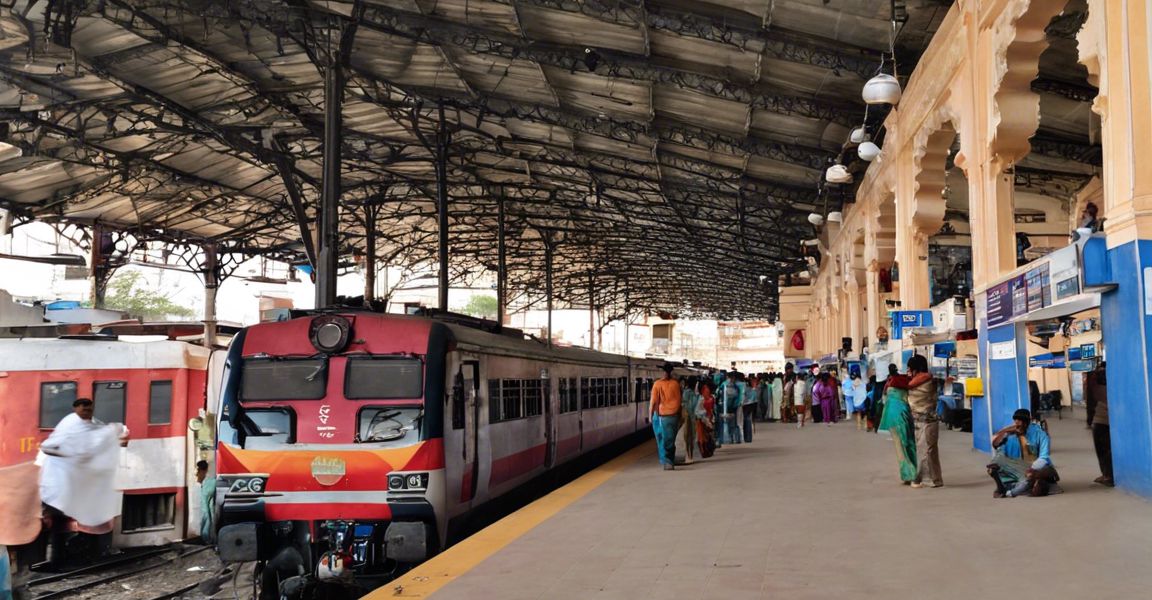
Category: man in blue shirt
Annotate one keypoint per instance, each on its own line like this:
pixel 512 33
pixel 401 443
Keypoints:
pixel 1023 462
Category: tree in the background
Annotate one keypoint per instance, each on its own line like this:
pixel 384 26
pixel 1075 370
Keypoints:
pixel 129 292
pixel 481 305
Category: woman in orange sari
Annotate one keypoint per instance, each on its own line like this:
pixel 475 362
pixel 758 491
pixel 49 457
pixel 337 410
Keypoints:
pixel 704 420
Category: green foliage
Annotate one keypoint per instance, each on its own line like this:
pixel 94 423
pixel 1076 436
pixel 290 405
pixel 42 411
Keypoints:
pixel 483 306
pixel 128 292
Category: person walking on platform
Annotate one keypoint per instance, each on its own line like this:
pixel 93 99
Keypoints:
pixel 731 396
pixel 748 408
pixel 1097 392
pixel 856 397
pixel 922 401
pixel 896 419
pixel 786 409
pixel 778 403
pixel 705 419
pixel 799 400
pixel 825 394
pixel 689 400
pixel 665 412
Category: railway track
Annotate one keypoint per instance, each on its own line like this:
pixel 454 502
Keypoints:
pixel 145 570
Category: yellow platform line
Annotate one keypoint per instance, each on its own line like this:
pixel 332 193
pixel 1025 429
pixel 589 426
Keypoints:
pixel 438 572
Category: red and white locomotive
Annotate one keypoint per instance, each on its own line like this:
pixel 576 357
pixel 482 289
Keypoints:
pixel 153 387
pixel 348 441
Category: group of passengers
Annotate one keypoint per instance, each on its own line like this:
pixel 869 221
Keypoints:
pixel 721 408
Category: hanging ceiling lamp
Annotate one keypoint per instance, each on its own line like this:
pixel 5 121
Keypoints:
pixel 858 136
pixel 838 174
pixel 868 151
pixel 835 217
pixel 816 219
pixel 882 89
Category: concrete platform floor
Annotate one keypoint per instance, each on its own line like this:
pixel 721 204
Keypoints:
pixel 820 514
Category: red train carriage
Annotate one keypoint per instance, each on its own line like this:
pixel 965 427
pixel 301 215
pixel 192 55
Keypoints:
pixel 348 441
pixel 153 387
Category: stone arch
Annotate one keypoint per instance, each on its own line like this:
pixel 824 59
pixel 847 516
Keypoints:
pixel 1018 41
pixel 930 156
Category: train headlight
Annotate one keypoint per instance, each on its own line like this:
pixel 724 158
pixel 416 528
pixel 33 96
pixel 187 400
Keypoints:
pixel 395 482
pixel 414 482
pixel 329 333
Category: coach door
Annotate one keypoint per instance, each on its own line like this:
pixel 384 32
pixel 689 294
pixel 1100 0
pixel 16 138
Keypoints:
pixel 470 372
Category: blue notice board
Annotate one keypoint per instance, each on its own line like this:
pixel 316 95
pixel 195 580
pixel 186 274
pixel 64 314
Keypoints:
pixel 902 319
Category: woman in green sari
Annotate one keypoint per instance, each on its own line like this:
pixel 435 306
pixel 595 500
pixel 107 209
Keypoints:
pixel 897 419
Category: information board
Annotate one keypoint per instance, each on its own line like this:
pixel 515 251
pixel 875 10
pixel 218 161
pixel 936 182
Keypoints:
pixel 1007 300
pixel 967 368
pixel 1038 285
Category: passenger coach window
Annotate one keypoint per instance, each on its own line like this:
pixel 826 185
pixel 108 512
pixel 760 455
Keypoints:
pixel 511 401
pixel 458 402
pixel 568 397
pixel 109 397
pixel 56 400
pixel 160 403
pixel 284 379
pixel 533 397
pixel 384 379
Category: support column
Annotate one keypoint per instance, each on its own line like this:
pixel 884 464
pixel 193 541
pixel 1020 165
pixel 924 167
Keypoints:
pixel 993 221
pixel 369 253
pixel 592 311
pixel 211 283
pixel 442 207
pixel 502 266
pixel 329 250
pixel 548 283
pixel 1117 34
pixel 97 267
pixel 872 300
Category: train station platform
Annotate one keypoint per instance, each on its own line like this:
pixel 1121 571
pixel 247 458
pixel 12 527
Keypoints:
pixel 805 514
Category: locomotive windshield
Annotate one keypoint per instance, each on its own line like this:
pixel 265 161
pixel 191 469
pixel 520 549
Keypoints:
pixel 270 427
pixel 284 379
pixel 383 378
pixel 393 425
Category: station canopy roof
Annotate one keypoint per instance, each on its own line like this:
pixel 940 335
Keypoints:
pixel 670 150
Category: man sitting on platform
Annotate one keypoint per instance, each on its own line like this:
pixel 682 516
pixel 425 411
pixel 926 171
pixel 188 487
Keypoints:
pixel 1022 463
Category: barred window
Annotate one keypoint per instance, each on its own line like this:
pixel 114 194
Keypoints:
pixel 568 395
pixel 533 397
pixel 586 400
pixel 493 400
pixel 511 400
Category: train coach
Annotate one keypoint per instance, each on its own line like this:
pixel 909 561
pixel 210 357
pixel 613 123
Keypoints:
pixel 350 441
pixel 153 387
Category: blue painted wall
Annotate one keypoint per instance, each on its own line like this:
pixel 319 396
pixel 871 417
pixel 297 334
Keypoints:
pixel 981 435
pixel 1128 345
pixel 1006 386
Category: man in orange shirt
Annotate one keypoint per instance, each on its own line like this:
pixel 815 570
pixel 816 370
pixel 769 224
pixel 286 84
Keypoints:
pixel 666 416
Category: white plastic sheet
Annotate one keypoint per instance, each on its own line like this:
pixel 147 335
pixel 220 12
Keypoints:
pixel 79 470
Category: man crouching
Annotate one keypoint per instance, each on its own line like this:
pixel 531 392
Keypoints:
pixel 1022 464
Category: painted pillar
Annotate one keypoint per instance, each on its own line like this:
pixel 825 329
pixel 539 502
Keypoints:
pixel 911 242
pixel 1114 45
pixel 873 306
